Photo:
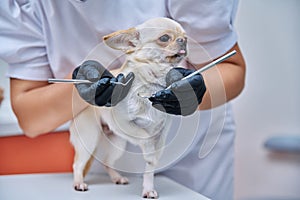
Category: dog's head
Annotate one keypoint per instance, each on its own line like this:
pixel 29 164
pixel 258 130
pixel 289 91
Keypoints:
pixel 159 40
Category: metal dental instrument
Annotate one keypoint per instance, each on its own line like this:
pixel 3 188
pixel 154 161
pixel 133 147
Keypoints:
pixel 53 80
pixel 76 81
pixel 206 67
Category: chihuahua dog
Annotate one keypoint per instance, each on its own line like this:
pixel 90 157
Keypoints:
pixel 152 49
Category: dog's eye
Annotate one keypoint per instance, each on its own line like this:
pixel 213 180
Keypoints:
pixel 164 38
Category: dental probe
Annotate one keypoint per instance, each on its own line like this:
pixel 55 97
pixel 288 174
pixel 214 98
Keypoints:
pixel 54 80
pixel 206 67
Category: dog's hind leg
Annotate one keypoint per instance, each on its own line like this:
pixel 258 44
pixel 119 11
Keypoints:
pixel 79 169
pixel 114 148
pixel 85 133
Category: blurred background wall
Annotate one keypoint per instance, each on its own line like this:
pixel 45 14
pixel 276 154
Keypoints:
pixel 269 32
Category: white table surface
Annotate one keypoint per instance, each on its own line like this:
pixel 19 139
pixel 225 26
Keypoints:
pixel 59 186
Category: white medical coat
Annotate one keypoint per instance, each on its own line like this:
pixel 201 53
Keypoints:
pixel 42 39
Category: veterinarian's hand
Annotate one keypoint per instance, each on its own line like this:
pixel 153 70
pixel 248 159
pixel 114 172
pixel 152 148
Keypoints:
pixel 184 96
pixel 103 91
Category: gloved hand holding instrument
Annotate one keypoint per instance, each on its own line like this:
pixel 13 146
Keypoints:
pixel 184 93
pixel 181 97
pixel 103 89
pixel 96 85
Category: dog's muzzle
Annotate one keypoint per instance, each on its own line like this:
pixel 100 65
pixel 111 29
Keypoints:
pixel 182 42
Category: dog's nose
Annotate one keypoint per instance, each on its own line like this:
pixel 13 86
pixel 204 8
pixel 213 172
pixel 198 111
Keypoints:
pixel 181 41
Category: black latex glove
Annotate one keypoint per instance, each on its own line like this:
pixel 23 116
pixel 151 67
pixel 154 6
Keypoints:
pixel 103 91
pixel 184 96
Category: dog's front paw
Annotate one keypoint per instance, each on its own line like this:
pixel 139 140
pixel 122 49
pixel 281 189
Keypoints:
pixel 150 194
pixel 82 187
pixel 120 180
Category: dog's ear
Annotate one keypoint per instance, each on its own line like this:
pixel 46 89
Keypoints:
pixel 125 40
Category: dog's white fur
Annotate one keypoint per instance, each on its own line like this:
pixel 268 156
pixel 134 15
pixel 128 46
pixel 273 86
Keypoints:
pixel 133 119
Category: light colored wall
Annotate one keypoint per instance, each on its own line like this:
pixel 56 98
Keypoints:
pixel 269 37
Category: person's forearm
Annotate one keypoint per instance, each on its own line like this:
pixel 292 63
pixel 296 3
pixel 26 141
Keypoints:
pixel 41 107
pixel 224 82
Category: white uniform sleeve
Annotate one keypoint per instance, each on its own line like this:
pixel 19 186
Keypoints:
pixel 208 22
pixel 22 42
